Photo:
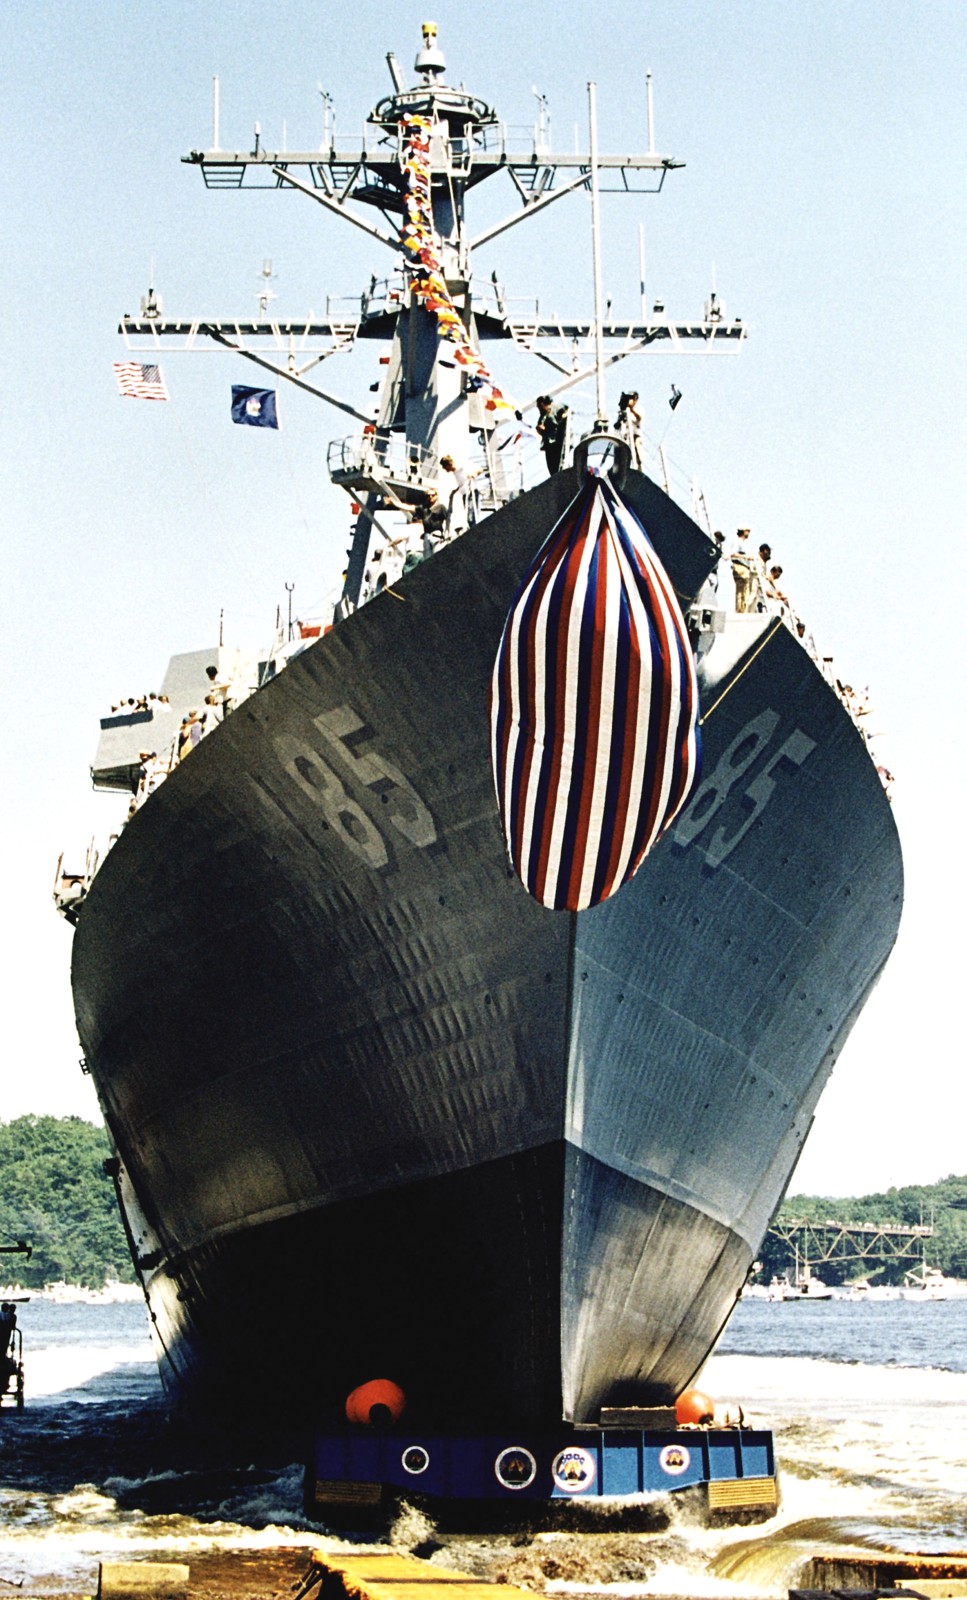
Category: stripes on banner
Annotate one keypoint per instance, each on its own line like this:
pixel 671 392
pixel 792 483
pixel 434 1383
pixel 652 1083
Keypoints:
pixel 139 382
pixel 594 706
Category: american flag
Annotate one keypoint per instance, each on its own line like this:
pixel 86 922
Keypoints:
pixel 139 382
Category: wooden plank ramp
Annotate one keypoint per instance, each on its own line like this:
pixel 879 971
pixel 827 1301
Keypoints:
pixel 386 1575
pixel 842 1571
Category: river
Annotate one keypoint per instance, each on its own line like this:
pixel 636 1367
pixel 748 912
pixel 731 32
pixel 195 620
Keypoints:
pixel 868 1402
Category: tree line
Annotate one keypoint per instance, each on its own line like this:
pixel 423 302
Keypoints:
pixel 55 1196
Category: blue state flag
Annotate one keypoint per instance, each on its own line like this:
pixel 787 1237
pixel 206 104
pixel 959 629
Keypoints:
pixel 256 407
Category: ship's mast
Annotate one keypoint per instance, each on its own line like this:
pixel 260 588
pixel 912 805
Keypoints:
pixel 430 407
pixel 424 395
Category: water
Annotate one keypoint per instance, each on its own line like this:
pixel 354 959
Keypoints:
pixel 869 1406
pixel 91 1469
pixel 868 1403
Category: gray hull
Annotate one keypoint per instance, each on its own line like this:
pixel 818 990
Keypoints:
pixel 365 1090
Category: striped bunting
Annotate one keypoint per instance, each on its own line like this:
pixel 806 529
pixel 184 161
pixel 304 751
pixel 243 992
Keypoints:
pixel 594 706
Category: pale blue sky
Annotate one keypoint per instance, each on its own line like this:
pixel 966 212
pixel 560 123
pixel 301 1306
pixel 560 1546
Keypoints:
pixel 825 179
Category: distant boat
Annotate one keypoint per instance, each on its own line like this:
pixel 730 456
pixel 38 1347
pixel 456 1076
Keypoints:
pixel 861 1289
pixel 808 1288
pixel 929 1283
pixel 804 1285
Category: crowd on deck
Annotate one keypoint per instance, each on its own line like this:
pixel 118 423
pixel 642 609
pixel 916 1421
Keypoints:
pixel 144 702
pixel 745 578
pixel 154 766
pixel 757 584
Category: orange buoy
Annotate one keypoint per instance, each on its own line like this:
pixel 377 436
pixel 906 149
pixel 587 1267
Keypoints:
pixel 376 1402
pixel 693 1407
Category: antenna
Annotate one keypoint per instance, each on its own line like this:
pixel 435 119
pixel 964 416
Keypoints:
pixel 328 119
pixel 399 83
pixel 601 421
pixel 151 306
pixel 265 293
pixel 215 143
pixel 542 136
pixel 429 62
pixel 642 298
pixel 289 588
pixel 651 113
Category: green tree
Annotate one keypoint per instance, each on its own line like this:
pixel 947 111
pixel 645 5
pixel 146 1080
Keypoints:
pixel 54 1194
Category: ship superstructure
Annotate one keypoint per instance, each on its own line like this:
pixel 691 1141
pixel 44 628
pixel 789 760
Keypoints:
pixel 428 411
pixel 359 1081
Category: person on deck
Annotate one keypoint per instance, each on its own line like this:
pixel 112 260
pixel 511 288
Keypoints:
pixel 190 733
pixel 552 429
pixel 459 501
pixel 218 694
pixel 628 424
pixel 434 516
pixel 744 572
pixel 772 586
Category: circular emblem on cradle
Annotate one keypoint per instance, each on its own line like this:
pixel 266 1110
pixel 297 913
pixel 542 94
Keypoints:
pixel 515 1468
pixel 415 1459
pixel 675 1459
pixel 573 1469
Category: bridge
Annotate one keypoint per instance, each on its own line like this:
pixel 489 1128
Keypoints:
pixel 877 1244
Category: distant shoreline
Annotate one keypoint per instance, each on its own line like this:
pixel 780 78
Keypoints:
pixel 113 1293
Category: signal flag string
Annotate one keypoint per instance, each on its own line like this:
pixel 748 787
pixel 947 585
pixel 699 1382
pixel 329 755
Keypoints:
pixel 420 247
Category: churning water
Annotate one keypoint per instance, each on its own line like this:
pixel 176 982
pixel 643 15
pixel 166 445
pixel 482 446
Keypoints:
pixel 868 1402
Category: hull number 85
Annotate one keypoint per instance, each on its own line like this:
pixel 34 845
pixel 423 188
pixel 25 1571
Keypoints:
pixel 344 781
pixel 733 764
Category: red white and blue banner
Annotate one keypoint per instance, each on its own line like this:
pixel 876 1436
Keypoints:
pixel 594 706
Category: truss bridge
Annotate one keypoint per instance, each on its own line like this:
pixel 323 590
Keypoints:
pixel 878 1244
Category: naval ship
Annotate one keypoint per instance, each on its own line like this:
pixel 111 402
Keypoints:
pixel 379 1109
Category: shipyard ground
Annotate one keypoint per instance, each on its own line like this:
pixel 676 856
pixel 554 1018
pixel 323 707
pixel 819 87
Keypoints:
pixel 302 1572
pixel 214 1575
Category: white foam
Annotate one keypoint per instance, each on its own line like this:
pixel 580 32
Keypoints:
pixel 869 1456
pixel 59 1368
pixel 903 1426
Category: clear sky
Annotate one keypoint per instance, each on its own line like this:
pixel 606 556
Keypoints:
pixel 825 188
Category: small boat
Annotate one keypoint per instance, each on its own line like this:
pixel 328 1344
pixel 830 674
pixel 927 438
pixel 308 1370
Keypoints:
pixel 861 1290
pixel 808 1288
pixel 929 1283
pixel 805 1286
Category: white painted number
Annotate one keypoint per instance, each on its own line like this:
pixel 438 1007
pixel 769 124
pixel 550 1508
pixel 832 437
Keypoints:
pixel 374 779
pixel 732 764
pixel 344 815
pixel 408 815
